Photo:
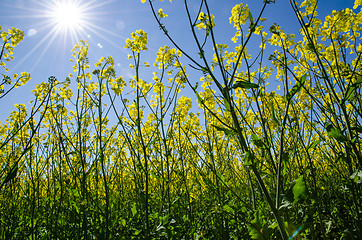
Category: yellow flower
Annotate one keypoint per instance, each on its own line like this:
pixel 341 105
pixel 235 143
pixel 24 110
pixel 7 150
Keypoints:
pixel 258 29
pixel 138 42
pixel 206 21
pixel 357 3
pixel 359 48
pixel 240 15
pixel 161 13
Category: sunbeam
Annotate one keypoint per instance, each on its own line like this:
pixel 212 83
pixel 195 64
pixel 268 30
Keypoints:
pixel 67 15
pixel 66 22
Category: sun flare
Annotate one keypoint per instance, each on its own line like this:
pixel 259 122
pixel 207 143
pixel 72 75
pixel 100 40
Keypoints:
pixel 67 15
pixel 61 24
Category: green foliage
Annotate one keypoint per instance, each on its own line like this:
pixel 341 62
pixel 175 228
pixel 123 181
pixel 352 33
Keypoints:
pixel 296 88
pixel 246 85
pixel 335 133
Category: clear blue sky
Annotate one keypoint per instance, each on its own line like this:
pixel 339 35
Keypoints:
pixel 46 51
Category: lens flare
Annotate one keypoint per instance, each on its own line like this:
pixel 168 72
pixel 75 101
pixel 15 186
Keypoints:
pixel 68 15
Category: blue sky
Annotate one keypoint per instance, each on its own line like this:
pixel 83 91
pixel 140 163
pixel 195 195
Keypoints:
pixel 107 23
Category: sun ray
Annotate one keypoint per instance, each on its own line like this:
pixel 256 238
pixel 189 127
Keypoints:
pixel 93 29
pixel 50 35
pixel 62 28
pixel 45 49
pixel 67 15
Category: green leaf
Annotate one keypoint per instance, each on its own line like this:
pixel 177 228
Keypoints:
pixel 228 209
pixel 199 99
pixel 256 226
pixel 227 105
pixel 11 174
pixel 299 189
pixel 255 233
pixel 357 129
pixel 285 157
pixel 351 90
pixel 15 129
pixel 123 221
pixel 350 93
pixel 287 199
pixel 251 24
pixel 251 17
pixel 134 209
pixel 335 133
pixel 248 159
pixel 225 91
pixel 356 176
pixel 314 144
pixel 296 88
pixel 228 132
pixel 274 118
pixel 222 178
pixel 273 225
pixel 294 193
pixel 257 141
pixel 246 85
pixel 201 54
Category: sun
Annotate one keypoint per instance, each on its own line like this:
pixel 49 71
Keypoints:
pixel 60 24
pixel 67 15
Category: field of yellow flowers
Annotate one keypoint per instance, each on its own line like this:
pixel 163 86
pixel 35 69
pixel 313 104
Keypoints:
pixel 98 156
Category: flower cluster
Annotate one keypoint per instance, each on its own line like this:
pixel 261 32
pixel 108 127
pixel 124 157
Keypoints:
pixel 138 41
